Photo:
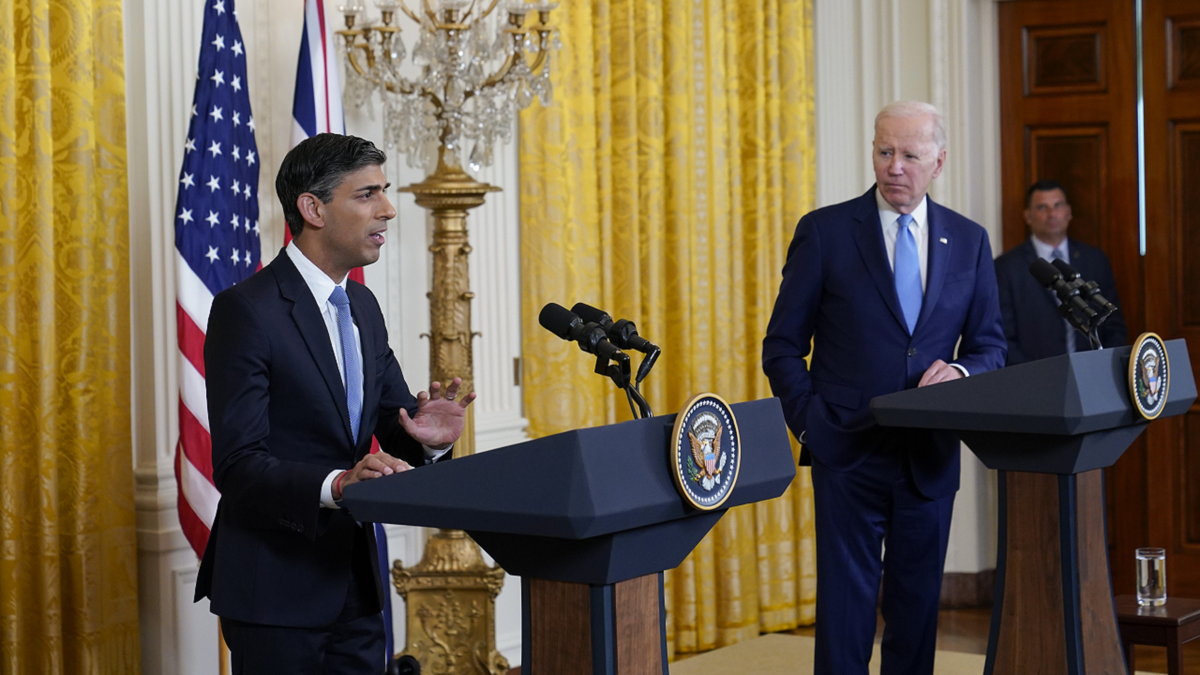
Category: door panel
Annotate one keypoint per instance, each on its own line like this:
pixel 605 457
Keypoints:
pixel 1069 113
pixel 1172 75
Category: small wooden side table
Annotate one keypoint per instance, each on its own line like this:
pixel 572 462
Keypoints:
pixel 1169 625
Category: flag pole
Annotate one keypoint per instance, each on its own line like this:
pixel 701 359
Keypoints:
pixel 222 651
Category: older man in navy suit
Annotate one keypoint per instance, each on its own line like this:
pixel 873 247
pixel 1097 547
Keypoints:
pixel 300 377
pixel 892 291
pixel 1032 324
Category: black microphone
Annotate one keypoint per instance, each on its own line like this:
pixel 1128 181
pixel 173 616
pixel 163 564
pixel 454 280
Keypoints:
pixel 568 326
pixel 1090 290
pixel 622 333
pixel 1074 308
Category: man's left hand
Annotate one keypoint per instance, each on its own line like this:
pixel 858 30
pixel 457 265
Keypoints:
pixel 440 418
pixel 939 371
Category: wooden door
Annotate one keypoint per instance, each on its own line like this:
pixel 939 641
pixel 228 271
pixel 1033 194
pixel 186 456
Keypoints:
pixel 1069 113
pixel 1171 469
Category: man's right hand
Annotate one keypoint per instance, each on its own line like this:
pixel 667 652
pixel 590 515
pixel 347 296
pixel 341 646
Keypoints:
pixel 371 466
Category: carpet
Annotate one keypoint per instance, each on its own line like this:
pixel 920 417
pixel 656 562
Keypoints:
pixel 777 654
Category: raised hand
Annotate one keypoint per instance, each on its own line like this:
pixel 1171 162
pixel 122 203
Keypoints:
pixel 440 418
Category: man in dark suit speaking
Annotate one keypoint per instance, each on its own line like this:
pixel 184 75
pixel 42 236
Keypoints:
pixel 1032 324
pixel 300 376
pixel 883 287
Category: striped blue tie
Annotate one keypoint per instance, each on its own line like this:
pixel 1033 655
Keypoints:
pixel 351 359
pixel 908 272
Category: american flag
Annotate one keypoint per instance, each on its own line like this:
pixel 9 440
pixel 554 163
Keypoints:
pixel 216 243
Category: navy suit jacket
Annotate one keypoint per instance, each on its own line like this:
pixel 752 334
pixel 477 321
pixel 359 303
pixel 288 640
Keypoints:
pixel 280 424
pixel 838 293
pixel 1032 324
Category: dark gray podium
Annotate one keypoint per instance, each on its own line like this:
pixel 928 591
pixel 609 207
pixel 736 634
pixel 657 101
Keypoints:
pixel 588 519
pixel 1049 428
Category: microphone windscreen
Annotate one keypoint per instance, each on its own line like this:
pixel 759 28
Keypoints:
pixel 1045 273
pixel 557 319
pixel 590 314
pixel 1068 272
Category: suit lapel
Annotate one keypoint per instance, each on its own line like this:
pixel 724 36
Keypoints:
pixel 937 261
pixel 312 329
pixel 868 236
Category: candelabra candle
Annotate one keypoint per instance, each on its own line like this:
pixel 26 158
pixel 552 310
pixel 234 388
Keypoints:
pixel 464 88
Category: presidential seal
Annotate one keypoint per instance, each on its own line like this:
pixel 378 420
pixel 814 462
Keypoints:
pixel 706 451
pixel 1148 375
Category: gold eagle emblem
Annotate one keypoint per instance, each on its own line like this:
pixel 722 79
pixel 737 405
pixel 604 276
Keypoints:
pixel 706 452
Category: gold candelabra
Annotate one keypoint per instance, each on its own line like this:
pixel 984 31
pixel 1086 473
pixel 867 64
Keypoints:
pixel 430 116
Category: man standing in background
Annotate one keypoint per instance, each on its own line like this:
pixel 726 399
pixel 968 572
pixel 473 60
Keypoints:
pixel 883 287
pixel 1034 328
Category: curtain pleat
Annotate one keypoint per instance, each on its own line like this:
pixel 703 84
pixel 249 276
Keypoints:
pixel 663 185
pixel 68 548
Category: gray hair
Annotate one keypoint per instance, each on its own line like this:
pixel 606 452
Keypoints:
pixel 908 109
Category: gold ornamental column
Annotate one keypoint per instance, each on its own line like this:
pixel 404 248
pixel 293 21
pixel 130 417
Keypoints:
pixel 450 596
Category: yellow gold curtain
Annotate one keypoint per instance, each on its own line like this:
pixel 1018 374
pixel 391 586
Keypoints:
pixel 68 549
pixel 663 185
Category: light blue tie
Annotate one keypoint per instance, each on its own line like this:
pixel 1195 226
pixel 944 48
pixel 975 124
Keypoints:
pixel 1057 254
pixel 908 272
pixel 351 359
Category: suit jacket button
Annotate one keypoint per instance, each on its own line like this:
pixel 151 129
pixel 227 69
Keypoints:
pixel 912 351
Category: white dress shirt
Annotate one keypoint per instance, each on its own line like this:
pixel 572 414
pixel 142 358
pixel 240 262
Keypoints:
pixel 322 287
pixel 919 227
pixel 888 216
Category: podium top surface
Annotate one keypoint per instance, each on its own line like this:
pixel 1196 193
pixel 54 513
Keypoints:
pixel 577 484
pixel 1063 395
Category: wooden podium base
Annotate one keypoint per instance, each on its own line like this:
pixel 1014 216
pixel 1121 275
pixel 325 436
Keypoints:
pixel 1054 610
pixel 610 629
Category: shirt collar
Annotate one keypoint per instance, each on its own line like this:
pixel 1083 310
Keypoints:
pixel 1046 251
pixel 888 213
pixel 318 282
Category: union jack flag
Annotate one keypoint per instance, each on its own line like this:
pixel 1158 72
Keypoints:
pixel 216 243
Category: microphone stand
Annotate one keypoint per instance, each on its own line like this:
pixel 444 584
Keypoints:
pixel 619 373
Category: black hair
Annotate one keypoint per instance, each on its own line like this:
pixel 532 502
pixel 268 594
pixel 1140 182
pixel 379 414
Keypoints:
pixel 318 165
pixel 1044 186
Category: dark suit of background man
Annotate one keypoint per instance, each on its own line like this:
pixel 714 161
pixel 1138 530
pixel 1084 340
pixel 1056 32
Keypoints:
pixel 1032 324
pixel 298 381
pixel 884 308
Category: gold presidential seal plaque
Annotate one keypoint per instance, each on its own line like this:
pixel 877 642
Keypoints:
pixel 1149 375
pixel 706 451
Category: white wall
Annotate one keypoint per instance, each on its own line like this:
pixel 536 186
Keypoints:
pixel 162 48
pixel 870 53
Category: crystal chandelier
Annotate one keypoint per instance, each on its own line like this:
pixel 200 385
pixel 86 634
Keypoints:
pixel 474 75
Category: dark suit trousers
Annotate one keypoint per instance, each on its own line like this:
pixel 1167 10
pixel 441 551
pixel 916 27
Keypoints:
pixel 352 645
pixel 856 512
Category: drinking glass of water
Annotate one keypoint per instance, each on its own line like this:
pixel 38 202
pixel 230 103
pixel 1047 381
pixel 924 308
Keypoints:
pixel 1151 577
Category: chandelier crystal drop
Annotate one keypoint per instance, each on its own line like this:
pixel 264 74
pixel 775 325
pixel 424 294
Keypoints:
pixel 471 70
